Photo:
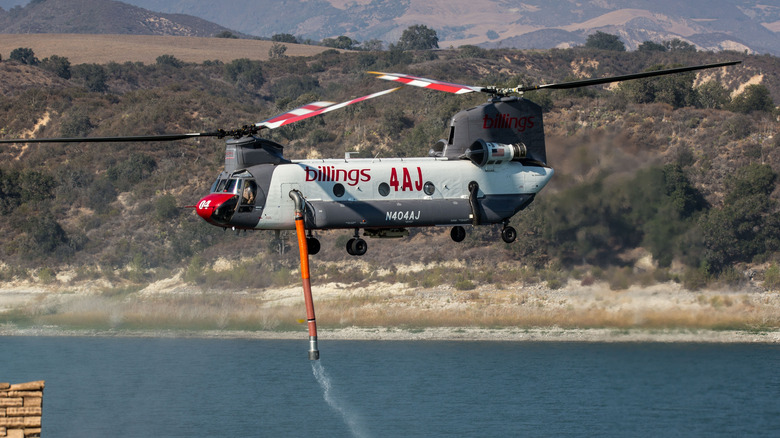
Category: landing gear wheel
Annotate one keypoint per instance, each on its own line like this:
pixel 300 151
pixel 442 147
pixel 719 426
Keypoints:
pixel 508 234
pixel 349 246
pixel 458 233
pixel 357 247
pixel 313 244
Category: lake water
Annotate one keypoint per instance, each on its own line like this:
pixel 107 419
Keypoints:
pixel 141 387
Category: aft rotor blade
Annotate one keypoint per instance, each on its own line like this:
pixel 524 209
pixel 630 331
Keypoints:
pixel 161 137
pixel 427 83
pixel 598 81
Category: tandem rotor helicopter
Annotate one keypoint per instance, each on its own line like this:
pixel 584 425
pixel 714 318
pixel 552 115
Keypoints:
pixel 489 167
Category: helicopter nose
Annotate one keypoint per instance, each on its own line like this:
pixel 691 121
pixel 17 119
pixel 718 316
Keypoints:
pixel 217 208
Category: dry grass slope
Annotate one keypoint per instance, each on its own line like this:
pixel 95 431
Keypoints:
pixel 101 49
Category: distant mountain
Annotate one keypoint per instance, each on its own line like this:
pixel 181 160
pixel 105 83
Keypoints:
pixel 752 25
pixel 100 17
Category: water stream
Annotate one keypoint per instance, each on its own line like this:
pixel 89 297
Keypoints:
pixel 348 414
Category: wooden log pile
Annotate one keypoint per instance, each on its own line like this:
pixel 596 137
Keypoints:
pixel 21 409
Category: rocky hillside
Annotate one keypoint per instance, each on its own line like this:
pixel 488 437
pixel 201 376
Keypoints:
pixel 653 181
pixel 100 17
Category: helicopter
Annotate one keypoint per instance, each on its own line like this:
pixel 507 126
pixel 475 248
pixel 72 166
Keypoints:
pixel 490 166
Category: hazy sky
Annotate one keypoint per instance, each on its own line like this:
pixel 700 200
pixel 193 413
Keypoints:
pixel 8 4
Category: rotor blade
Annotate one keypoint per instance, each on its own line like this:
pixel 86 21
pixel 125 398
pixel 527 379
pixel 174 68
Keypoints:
pixel 161 137
pixel 283 119
pixel 588 82
pixel 300 111
pixel 427 83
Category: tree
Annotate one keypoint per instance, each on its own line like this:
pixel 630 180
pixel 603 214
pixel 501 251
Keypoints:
pixel 76 125
pixel 277 51
pixel 245 72
pixel 372 45
pixel 131 171
pixel 24 55
pixel 226 34
pixel 169 60
pixel 418 37
pixel 745 226
pixel 166 208
pixel 93 75
pixel 712 94
pixel 44 235
pixel 754 98
pixel 284 38
pixel 604 41
pixel 649 46
pixel 676 90
pixel 470 51
pixel 59 65
pixel 341 42
pixel 682 195
pixel 678 45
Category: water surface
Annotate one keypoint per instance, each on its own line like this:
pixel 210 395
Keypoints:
pixel 140 387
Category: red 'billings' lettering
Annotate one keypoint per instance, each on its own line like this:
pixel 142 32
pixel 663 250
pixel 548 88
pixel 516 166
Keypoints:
pixel 504 121
pixel 331 173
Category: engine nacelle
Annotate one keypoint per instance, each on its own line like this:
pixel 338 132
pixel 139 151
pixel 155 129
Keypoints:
pixel 483 153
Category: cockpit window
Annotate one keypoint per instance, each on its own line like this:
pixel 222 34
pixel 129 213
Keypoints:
pixel 219 185
pixel 230 187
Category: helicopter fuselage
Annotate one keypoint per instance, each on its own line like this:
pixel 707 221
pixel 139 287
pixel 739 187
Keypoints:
pixel 373 194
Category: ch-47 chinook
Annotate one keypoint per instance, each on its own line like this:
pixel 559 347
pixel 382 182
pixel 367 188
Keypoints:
pixel 489 167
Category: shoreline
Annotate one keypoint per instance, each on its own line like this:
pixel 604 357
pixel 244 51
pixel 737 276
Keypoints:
pixel 379 311
pixel 438 334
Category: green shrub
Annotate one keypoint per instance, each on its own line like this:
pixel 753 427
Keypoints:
pixel 464 284
pixel 245 73
pixel 93 75
pixel 170 61
pixel 166 208
pixel 772 277
pixel 25 55
pixel 59 65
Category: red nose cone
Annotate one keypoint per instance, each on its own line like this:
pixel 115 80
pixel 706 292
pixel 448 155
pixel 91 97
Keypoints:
pixel 209 208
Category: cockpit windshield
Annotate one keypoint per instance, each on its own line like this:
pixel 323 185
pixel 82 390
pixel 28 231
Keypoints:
pixel 219 185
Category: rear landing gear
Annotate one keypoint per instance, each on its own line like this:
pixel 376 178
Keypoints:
pixel 313 244
pixel 508 234
pixel 356 246
pixel 458 233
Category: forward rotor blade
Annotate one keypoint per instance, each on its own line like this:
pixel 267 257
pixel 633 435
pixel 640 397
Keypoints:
pixel 161 137
pixel 277 120
pixel 427 83
pixel 598 81
pixel 307 111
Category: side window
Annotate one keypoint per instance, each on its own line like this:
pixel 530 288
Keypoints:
pixel 249 192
